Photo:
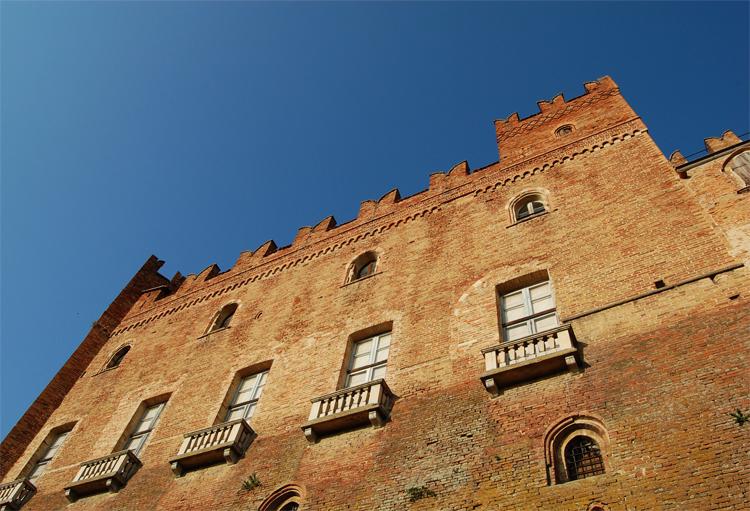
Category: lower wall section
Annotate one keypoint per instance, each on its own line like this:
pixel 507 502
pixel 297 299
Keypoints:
pixel 664 396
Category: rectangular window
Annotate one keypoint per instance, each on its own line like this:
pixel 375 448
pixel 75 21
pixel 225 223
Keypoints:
pixel 246 396
pixel 49 449
pixel 143 428
pixel 368 360
pixel 528 311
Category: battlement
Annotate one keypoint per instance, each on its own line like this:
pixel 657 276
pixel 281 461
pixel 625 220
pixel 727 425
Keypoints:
pixel 560 122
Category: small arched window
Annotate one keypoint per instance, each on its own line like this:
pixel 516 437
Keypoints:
pixel 576 448
pixel 224 318
pixel 583 458
pixel 740 165
pixel 287 498
pixel 363 266
pixel 529 206
pixel 117 357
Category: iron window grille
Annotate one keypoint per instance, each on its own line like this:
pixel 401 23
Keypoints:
pixel 583 458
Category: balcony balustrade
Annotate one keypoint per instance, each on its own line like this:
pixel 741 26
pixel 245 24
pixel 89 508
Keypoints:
pixel 529 357
pixel 108 473
pixel 227 441
pixel 15 494
pixel 369 402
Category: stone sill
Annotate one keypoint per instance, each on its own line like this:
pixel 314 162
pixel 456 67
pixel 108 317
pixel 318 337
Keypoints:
pixel 214 332
pixel 363 278
pixel 532 217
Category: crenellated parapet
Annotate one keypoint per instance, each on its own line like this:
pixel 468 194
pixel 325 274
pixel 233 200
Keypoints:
pixel 560 121
pixel 589 134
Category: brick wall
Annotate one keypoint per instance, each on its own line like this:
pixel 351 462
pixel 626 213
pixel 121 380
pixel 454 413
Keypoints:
pixel 662 370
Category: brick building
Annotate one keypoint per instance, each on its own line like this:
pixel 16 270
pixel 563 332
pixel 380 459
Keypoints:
pixel 564 329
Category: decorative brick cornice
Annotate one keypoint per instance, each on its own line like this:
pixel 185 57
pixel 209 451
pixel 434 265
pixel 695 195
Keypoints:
pixel 477 183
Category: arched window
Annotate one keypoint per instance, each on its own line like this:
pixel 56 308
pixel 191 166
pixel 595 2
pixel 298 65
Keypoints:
pixel 224 317
pixel 363 266
pixel 583 458
pixel 740 166
pixel 529 206
pixel 576 448
pixel 117 357
pixel 286 498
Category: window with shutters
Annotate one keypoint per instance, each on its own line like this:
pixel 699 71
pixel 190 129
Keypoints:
pixel 47 452
pixel 368 360
pixel 143 427
pixel 740 166
pixel 246 396
pixel 528 311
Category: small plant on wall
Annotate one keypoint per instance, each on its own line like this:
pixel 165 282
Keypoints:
pixel 740 417
pixel 416 493
pixel 251 482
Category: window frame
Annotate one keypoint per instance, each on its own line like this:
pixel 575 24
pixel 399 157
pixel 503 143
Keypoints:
pixel 143 436
pixel 42 461
pixel 118 356
pixel 369 259
pixel 223 319
pixel 372 364
pixel 259 385
pixel 530 316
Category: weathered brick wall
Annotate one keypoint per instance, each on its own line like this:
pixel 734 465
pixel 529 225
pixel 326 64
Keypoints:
pixel 662 372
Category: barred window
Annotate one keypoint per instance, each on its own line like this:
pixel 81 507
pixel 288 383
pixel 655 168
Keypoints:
pixel 118 357
pixel 583 458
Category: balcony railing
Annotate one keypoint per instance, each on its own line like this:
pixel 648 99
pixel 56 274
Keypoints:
pixel 529 357
pixel 15 494
pixel 226 441
pixel 370 402
pixel 108 473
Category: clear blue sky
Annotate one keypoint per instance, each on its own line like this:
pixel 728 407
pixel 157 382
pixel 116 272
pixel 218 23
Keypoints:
pixel 195 131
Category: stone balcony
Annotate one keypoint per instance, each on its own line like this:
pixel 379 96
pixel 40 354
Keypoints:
pixel 528 358
pixel 370 402
pixel 15 494
pixel 227 441
pixel 108 473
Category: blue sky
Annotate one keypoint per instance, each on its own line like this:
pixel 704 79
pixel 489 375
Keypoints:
pixel 195 131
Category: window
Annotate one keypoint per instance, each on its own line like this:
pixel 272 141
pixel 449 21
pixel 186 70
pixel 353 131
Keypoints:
pixel 48 450
pixel 583 458
pixel 363 266
pixel 117 357
pixel 563 131
pixel 740 165
pixel 286 498
pixel 143 428
pixel 528 311
pixel 246 396
pixel 224 317
pixel 576 448
pixel 368 360
pixel 528 207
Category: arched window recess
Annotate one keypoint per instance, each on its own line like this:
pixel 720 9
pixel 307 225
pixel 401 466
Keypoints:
pixel 528 205
pixel 224 317
pixel 117 358
pixel 363 266
pixel 286 498
pixel 576 448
